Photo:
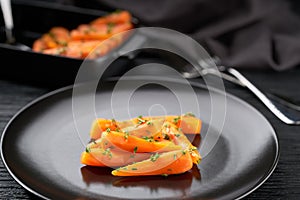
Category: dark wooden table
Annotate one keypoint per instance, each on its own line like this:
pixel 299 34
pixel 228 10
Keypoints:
pixel 284 183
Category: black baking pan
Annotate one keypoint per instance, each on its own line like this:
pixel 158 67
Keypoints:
pixel 34 18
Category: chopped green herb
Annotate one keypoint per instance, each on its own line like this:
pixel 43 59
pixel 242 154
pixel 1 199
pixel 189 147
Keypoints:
pixel 110 26
pixel 88 149
pixel 175 156
pixel 175 120
pixel 189 114
pixel 177 135
pixel 121 168
pixel 135 149
pixel 167 137
pixel 183 152
pixel 148 139
pixel 107 152
pixel 154 157
pixel 165 175
pixel 134 168
pixel 149 123
pixel 179 129
pixel 108 130
pixel 141 121
pixel 126 134
pixel 140 116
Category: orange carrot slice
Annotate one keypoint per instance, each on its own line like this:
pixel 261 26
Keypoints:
pixel 146 129
pixel 135 144
pixel 100 125
pixel 187 123
pixel 110 157
pixel 173 162
pixel 180 139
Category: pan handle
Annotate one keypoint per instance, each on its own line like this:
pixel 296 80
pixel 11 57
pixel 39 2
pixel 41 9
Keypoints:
pixel 130 49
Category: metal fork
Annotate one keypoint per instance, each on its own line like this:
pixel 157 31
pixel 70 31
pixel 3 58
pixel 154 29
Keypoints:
pixel 286 111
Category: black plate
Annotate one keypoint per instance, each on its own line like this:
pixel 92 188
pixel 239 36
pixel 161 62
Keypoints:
pixel 41 148
pixel 34 18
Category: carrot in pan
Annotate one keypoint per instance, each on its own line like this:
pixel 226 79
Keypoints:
pixel 87 40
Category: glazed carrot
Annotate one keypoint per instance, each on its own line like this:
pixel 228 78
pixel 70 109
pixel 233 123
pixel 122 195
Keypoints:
pixel 146 129
pixel 172 162
pixel 100 125
pixel 116 17
pixel 187 123
pixel 180 139
pixel 135 144
pixel 110 157
pixel 143 146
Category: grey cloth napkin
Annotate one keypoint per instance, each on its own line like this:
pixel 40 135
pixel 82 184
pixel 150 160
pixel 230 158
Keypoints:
pixel 253 34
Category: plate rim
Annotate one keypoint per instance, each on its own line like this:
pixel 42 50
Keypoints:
pixel 193 84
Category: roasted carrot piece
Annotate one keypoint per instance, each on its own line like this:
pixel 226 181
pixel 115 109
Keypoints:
pixel 121 28
pixel 98 32
pixel 39 45
pixel 130 143
pixel 60 34
pixel 110 157
pixel 172 162
pixel 56 37
pixel 78 35
pixel 115 17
